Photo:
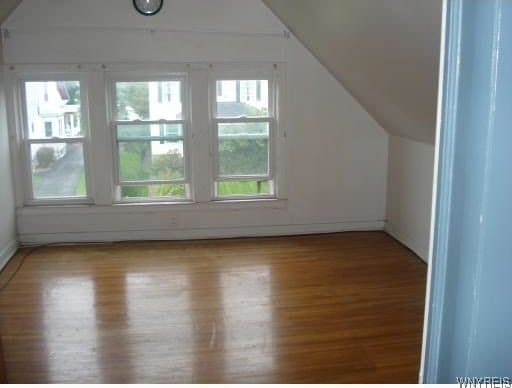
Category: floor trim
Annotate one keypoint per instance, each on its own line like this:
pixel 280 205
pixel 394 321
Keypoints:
pixel 202 233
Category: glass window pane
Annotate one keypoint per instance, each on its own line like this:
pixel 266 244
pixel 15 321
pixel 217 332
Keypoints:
pixel 151 160
pixel 238 98
pixel 58 170
pixel 178 191
pixel 168 130
pixel 243 149
pixel 53 109
pixel 243 188
pixel 159 100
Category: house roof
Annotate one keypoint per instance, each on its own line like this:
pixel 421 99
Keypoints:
pixel 63 91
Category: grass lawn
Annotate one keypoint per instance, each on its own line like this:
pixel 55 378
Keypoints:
pixel 81 188
pixel 242 188
pixel 36 182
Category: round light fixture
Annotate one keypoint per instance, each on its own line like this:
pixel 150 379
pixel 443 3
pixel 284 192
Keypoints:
pixel 148 7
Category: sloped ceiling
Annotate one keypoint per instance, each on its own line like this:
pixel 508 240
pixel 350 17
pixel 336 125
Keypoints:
pixel 385 52
pixel 6 7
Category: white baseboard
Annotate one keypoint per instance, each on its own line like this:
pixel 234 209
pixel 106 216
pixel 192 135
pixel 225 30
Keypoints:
pixel 413 244
pixel 7 252
pixel 201 233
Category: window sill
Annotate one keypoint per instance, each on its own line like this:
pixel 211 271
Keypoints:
pixel 156 207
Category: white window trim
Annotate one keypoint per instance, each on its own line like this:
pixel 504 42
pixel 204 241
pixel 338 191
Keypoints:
pixel 112 77
pixel 242 73
pixel 22 163
pixel 99 139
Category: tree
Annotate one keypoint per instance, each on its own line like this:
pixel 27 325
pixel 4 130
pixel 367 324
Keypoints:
pixel 73 89
pixel 134 95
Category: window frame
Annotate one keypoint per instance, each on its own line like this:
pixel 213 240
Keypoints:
pixel 113 77
pixel 26 142
pixel 235 74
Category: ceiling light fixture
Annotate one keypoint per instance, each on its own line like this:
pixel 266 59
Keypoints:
pixel 148 7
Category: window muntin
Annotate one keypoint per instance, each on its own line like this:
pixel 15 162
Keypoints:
pixel 150 140
pixel 56 157
pixel 243 125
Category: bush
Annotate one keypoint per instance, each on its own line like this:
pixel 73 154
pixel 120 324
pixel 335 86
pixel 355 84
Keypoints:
pixel 45 156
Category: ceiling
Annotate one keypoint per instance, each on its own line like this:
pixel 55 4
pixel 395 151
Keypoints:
pixel 385 52
pixel 6 7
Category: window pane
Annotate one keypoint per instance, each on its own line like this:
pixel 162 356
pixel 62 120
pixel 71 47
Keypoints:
pixel 243 149
pixel 243 188
pixel 58 170
pixel 169 130
pixel 178 191
pixel 151 160
pixel 53 109
pixel 149 100
pixel 237 98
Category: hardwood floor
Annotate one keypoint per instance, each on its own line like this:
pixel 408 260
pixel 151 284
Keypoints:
pixel 328 308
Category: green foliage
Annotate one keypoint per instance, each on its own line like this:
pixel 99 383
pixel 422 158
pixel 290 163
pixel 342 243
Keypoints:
pixel 135 192
pixel 133 160
pixel 226 189
pixel 45 157
pixel 137 163
pixel 73 89
pixel 81 188
pixel 134 95
pixel 251 111
pixel 168 166
pixel 176 191
pixel 243 157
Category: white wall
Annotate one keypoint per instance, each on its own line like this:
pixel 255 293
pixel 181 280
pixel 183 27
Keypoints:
pixel 8 242
pixel 337 154
pixel 409 201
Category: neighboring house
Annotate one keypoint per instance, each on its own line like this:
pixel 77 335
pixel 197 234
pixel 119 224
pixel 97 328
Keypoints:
pixel 49 115
pixel 233 99
pixel 234 96
pixel 165 103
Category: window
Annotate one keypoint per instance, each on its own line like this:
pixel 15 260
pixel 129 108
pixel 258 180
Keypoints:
pixel 154 150
pixel 56 161
pixel 48 128
pixel 243 140
pixel 150 140
pixel 165 90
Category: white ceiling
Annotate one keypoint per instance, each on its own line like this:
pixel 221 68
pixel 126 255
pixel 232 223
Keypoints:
pixel 385 52
pixel 6 7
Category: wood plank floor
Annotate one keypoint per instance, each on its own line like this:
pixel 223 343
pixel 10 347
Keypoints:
pixel 329 308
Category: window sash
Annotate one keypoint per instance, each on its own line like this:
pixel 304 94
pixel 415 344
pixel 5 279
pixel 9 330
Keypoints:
pixel 29 194
pixel 52 140
pixel 153 182
pixel 217 120
pixel 218 176
pixel 147 122
pixel 115 123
